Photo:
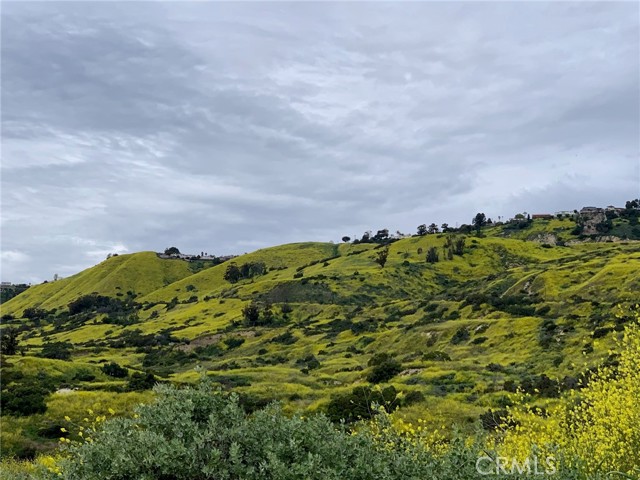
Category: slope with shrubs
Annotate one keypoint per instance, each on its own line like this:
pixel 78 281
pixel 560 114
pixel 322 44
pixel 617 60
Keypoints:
pixel 324 327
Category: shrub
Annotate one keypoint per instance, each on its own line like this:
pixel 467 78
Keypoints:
pixel 141 381
pixel 26 397
pixel 384 368
pixel 114 370
pixel 57 350
pixel 233 342
pixel 432 255
pixel 287 338
pixel 437 355
pixel 461 335
pixel 84 375
pixel 204 434
pixel 9 341
pixel 360 404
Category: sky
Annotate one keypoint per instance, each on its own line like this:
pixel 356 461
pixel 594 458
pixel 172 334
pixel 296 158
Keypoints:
pixel 226 128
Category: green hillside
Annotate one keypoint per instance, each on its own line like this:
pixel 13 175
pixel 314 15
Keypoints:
pixel 307 323
pixel 140 273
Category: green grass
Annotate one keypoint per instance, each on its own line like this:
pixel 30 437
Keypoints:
pixel 347 308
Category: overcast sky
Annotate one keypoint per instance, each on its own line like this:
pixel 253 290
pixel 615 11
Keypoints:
pixel 229 127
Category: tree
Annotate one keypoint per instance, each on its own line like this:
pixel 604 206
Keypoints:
pixel 232 274
pixel 479 221
pixel 171 251
pixel 251 314
pixel 458 246
pixel 57 350
pixel 33 313
pixel 366 237
pixel 285 309
pixel 422 229
pixel 385 367
pixel 9 341
pixel 25 398
pixel 381 256
pixel 433 228
pixel 346 239
pixel 381 235
pixel 432 255
pixel 444 227
pixel 114 370
pixel 267 315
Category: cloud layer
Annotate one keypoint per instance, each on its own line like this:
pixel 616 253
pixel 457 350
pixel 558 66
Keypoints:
pixel 228 127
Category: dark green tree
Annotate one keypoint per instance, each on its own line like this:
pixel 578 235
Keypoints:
pixel 251 314
pixel 458 246
pixel 432 255
pixel 114 370
pixel 381 256
pixel 9 341
pixel 57 350
pixel 232 274
pixel 479 221
pixel 381 236
pixel 422 229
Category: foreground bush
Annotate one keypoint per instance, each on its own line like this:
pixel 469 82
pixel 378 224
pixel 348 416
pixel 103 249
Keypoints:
pixel 199 433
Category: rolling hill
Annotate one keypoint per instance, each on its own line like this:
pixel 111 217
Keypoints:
pixel 318 325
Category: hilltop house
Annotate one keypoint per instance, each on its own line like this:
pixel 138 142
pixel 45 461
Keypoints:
pixel 565 213
pixel 545 216
pixel 611 208
pixel 590 210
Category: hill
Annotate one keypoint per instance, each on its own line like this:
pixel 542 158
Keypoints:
pixel 319 325
pixel 140 273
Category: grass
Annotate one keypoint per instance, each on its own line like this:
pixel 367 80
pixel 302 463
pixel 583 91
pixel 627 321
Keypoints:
pixel 345 308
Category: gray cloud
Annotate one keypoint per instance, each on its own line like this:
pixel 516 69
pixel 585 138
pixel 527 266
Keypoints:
pixel 227 127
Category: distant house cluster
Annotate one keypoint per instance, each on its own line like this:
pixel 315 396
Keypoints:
pixel 596 210
pixel 583 211
pixel 193 257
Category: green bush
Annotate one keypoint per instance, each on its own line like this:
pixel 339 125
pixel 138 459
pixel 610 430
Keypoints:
pixel 57 350
pixel 114 370
pixel 141 381
pixel 25 397
pixel 384 368
pixel 199 433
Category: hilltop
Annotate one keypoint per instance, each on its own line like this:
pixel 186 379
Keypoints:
pixel 447 323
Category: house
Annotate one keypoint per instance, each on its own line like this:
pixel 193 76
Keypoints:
pixel 611 208
pixel 588 210
pixel 545 216
pixel 565 213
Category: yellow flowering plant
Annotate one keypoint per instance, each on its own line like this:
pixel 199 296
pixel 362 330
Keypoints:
pixel 596 429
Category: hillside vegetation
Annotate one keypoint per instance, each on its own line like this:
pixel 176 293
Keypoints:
pixel 443 326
